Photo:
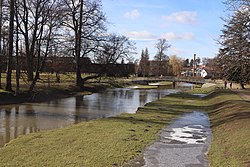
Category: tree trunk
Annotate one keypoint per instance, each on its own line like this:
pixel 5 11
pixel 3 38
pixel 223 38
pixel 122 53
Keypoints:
pixel 92 77
pixel 34 82
pixel 30 68
pixel 40 65
pixel 28 49
pixel 0 76
pixel 79 81
pixel 1 22
pixel 17 69
pixel 9 56
pixel 17 59
pixel 242 85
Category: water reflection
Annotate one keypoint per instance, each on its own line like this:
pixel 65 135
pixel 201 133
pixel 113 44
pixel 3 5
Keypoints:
pixel 26 118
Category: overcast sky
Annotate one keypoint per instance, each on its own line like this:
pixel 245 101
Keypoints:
pixel 190 26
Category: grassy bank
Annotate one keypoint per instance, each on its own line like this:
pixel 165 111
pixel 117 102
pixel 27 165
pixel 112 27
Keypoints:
pixel 115 141
pixel 230 120
pixel 48 89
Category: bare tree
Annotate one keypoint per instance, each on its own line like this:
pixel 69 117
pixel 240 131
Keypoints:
pixel 8 86
pixel 17 53
pixel 176 64
pixel 86 22
pixel 162 47
pixel 4 28
pixel 115 48
pixel 51 21
pixel 32 21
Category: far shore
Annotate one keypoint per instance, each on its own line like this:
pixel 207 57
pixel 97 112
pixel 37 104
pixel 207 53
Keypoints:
pixel 63 90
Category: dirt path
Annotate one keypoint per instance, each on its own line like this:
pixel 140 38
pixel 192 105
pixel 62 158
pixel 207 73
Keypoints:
pixel 243 93
pixel 184 143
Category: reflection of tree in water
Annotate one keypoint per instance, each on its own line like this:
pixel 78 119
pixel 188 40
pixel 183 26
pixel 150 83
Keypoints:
pixel 123 93
pixel 7 123
pixel 143 98
pixel 98 107
pixel 159 95
pixel 86 108
pixel 130 94
pixel 79 103
pixel 15 122
pixel 31 124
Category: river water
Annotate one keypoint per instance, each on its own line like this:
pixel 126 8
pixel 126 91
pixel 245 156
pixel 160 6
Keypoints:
pixel 19 119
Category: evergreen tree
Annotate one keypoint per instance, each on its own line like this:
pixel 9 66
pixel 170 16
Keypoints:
pixel 234 55
pixel 144 63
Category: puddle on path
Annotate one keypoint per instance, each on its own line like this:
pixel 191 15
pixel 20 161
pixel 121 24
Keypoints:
pixel 184 143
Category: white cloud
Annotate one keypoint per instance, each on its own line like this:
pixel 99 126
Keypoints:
pixel 132 14
pixel 184 17
pixel 171 36
pixel 140 35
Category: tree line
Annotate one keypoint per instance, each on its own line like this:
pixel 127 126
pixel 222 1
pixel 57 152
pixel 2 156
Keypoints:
pixel 37 29
pixel 234 54
pixel 162 64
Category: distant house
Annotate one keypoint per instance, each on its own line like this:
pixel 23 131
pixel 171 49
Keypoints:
pixel 205 71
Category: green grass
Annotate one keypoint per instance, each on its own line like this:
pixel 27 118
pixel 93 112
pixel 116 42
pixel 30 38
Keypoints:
pixel 103 142
pixel 230 119
pixel 230 122
pixel 206 90
pixel 118 140
pixel 95 143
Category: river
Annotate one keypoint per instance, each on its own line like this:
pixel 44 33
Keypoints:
pixel 25 118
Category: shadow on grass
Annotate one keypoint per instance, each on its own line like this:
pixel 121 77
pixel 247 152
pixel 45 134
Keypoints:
pixel 228 111
pixel 230 118
pixel 169 109
pixel 183 95
pixel 219 92
pixel 157 120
